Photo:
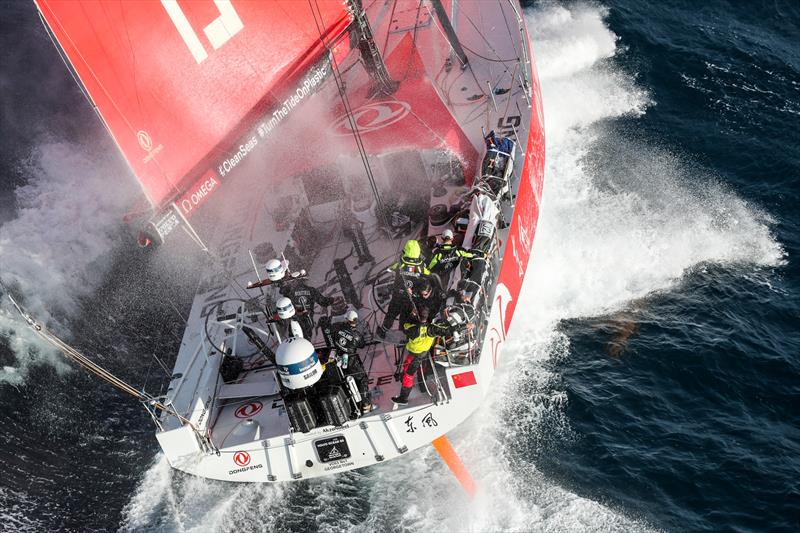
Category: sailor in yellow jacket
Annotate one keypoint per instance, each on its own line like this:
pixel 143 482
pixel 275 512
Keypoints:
pixel 447 256
pixel 408 272
pixel 421 337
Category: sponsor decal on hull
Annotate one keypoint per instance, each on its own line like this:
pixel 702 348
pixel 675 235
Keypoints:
pixel 371 117
pixel 339 464
pixel 199 193
pixel 427 421
pixel 249 409
pixel 241 458
pixel 497 331
pixel 245 469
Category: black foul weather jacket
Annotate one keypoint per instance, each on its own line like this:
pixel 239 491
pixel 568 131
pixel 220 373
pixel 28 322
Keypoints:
pixel 447 256
pixel 303 296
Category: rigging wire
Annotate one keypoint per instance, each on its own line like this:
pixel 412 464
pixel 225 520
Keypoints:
pixel 467 66
pixel 89 365
pixel 349 113
pixel 488 44
pixel 510 35
pixel 391 17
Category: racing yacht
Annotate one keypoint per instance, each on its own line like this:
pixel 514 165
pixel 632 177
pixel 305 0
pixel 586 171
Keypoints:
pixel 324 134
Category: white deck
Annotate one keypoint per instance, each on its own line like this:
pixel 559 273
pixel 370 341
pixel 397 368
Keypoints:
pixel 246 422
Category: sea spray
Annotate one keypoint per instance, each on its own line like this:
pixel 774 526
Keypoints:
pixel 608 234
pixel 417 492
pixel 55 251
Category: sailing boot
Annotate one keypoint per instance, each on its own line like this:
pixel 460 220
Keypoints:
pixel 402 398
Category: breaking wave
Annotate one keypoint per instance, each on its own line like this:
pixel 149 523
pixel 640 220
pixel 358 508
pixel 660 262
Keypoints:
pixel 621 218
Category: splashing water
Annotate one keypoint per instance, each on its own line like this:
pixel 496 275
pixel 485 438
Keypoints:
pixel 620 219
pixel 57 247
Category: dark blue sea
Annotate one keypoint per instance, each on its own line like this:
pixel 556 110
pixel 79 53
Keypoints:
pixel 652 377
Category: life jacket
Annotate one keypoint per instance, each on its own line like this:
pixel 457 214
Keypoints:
pixel 348 339
pixel 447 256
pixel 408 271
pixel 302 296
pixel 422 342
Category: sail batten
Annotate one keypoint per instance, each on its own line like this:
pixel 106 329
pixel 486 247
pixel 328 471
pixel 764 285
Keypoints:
pixel 176 83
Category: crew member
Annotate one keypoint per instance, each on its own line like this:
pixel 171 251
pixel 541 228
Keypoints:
pixel 354 230
pixel 348 339
pixel 301 294
pixel 276 270
pixel 408 271
pixel 501 144
pixel 276 274
pixel 447 255
pixel 460 316
pixel 304 297
pixel 425 298
pixel 462 293
pixel 421 336
pixel 495 163
pixel 283 324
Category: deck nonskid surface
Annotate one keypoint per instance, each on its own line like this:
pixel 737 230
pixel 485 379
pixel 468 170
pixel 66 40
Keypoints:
pixel 266 413
pixel 265 205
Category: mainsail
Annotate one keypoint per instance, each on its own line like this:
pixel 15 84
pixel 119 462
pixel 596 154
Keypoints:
pixel 386 153
pixel 178 83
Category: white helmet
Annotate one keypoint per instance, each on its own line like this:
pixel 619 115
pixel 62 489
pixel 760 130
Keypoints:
pixel 447 234
pixel 351 316
pixel 285 308
pixel 276 270
pixel 298 364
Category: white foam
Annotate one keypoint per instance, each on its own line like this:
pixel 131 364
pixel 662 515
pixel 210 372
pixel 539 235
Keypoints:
pixel 606 236
pixel 17 512
pixel 182 503
pixel 620 218
pixel 56 249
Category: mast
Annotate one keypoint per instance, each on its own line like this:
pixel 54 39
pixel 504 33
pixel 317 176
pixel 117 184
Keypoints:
pixel 373 60
pixel 449 32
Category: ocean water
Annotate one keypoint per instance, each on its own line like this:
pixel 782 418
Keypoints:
pixel 653 382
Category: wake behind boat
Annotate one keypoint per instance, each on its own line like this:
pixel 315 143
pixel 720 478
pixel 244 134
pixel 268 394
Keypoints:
pixel 366 182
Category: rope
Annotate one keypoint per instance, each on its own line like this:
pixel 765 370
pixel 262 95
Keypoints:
pixel 349 113
pixel 89 365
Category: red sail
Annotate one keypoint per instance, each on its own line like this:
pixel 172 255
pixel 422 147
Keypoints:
pixel 177 82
